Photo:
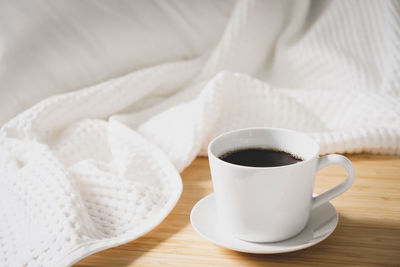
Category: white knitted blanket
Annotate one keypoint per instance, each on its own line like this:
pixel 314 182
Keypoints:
pixel 95 168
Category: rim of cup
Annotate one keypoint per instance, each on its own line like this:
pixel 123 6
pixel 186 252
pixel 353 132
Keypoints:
pixel 225 134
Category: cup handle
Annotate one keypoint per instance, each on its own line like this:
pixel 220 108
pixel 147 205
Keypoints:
pixel 339 189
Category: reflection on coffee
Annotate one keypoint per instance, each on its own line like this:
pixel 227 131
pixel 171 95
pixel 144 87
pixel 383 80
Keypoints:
pixel 259 157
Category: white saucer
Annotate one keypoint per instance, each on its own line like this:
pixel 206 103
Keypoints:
pixel 322 223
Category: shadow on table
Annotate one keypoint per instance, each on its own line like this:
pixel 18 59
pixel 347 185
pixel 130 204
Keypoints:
pixel 365 242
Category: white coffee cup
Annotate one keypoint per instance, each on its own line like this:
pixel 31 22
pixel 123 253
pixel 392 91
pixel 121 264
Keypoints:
pixel 269 204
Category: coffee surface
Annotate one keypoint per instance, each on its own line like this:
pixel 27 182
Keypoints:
pixel 259 157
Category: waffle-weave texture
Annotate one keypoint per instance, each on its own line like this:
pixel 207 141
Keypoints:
pixel 98 167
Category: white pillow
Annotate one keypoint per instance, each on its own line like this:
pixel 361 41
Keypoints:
pixel 50 47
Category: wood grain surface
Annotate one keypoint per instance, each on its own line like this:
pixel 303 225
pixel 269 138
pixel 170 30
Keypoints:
pixel 368 232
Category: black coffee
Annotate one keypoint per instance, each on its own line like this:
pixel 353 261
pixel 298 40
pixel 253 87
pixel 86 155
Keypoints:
pixel 259 157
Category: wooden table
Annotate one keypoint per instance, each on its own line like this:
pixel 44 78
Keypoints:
pixel 368 232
